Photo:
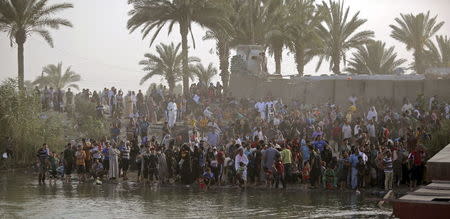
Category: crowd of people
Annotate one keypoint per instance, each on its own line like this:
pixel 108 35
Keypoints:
pixel 220 140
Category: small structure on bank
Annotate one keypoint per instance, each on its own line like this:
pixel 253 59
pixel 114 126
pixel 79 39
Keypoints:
pixel 432 200
pixel 250 60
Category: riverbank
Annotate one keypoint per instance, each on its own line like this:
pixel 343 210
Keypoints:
pixel 133 184
pixel 22 197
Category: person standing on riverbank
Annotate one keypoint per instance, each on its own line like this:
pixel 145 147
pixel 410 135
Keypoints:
pixel 114 154
pixel 388 171
pixel 171 113
pixel 286 158
pixel 81 163
pixel 125 150
pixel 354 170
pixel 241 161
pixel 105 153
pixel 42 155
pixel 69 162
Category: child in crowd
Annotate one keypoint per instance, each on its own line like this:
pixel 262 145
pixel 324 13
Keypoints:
pixel 241 175
pixel 279 174
pixel 305 172
pixel 361 170
pixel 330 178
pixel 207 179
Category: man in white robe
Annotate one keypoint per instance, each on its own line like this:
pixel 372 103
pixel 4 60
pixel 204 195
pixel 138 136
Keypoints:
pixel 261 108
pixel 407 107
pixel 171 113
pixel 372 114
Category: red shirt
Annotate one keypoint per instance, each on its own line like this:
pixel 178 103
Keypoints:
pixel 416 157
pixel 279 167
pixel 220 157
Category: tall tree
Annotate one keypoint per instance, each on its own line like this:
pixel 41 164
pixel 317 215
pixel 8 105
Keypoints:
pixel 276 36
pixel 415 31
pixel 52 76
pixel 339 33
pixel 223 41
pixel 21 18
pixel 167 62
pixel 302 27
pixel 438 55
pixel 153 15
pixel 374 58
pixel 226 38
pixel 205 74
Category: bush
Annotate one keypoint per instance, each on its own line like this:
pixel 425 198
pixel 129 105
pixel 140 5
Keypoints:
pixel 439 139
pixel 22 119
pixel 89 125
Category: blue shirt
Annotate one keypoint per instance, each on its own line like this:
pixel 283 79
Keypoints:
pixel 320 145
pixel 213 139
pixel 354 160
pixel 105 153
pixel 305 153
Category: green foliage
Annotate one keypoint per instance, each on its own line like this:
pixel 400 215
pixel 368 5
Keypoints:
pixel 205 74
pixel 22 119
pixel 415 31
pixel 55 78
pixel 374 58
pixel 340 33
pixel 438 55
pixel 439 139
pixel 93 128
pixel 167 63
pixel 22 18
pixel 154 15
pixel 302 28
pixel 87 121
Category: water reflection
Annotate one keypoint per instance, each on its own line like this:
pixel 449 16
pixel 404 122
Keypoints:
pixel 22 197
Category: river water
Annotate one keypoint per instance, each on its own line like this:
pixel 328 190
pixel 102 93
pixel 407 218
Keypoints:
pixel 22 197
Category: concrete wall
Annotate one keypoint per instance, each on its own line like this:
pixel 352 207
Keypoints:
pixel 337 91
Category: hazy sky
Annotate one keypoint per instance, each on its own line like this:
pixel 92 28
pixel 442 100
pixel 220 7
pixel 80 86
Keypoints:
pixel 101 50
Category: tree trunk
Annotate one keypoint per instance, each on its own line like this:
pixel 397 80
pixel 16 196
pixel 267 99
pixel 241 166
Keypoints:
pixel 336 65
pixel 277 54
pixel 171 83
pixel 20 37
pixel 20 76
pixel 300 60
pixel 418 60
pixel 184 54
pixel 224 56
pixel 252 28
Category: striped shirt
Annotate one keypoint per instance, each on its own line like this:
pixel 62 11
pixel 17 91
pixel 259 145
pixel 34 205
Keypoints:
pixel 387 164
pixel 125 152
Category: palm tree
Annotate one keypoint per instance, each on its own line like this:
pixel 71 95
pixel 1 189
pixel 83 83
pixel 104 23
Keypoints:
pixel 438 56
pixel 166 63
pixel 339 33
pixel 21 18
pixel 223 41
pixel 226 38
pixel 302 28
pixel 52 76
pixel 205 75
pixel 250 20
pixel 153 15
pixel 415 31
pixel 374 58
pixel 276 37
